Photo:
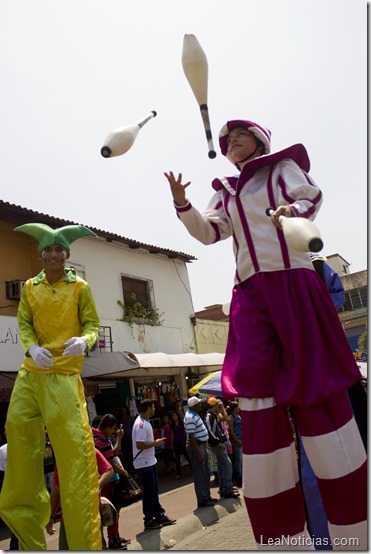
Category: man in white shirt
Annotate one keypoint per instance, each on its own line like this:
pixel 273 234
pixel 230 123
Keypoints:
pixel 145 461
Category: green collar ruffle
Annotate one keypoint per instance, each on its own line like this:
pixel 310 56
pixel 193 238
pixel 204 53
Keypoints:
pixel 70 276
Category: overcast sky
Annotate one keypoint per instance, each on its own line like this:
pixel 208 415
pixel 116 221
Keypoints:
pixel 74 70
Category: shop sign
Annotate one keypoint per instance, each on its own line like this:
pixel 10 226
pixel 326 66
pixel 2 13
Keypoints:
pixel 11 351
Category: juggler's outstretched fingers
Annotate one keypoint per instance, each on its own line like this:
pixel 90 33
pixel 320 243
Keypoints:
pixel 177 188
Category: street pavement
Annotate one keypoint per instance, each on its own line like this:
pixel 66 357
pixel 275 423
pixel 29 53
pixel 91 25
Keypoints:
pixel 222 527
pixel 231 532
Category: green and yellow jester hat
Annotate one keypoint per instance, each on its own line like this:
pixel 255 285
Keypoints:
pixel 47 236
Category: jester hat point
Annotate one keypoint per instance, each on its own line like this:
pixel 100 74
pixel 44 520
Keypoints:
pixel 47 236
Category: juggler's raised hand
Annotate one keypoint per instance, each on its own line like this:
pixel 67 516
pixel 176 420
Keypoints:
pixel 177 188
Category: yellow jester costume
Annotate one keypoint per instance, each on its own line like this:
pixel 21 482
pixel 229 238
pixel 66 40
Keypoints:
pixel 48 316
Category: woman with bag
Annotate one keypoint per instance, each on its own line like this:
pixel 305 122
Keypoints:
pixel 108 427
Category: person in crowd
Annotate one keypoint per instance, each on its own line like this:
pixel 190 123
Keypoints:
pixel 224 421
pixel 286 345
pixel 145 463
pixel 2 435
pixel 235 429
pixel 126 452
pixel 179 443
pixel 211 458
pixel 197 437
pixel 157 434
pixel 167 433
pixel 218 444
pixel 102 440
pixel 14 545
pixel 3 458
pixel 58 323
pixel 49 463
pixel 105 473
pixel 330 278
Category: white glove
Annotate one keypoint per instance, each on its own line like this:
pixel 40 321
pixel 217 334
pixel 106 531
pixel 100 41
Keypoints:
pixel 75 347
pixel 41 356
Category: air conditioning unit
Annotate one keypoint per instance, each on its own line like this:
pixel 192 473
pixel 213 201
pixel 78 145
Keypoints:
pixel 13 289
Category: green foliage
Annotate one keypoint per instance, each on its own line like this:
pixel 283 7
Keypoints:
pixel 362 341
pixel 135 312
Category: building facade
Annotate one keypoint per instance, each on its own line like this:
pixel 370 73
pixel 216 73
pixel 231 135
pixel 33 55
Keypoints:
pixel 143 298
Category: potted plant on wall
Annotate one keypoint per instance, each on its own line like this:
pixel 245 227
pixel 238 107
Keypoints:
pixel 135 312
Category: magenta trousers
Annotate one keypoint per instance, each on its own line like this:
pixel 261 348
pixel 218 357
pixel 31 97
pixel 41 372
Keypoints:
pixel 286 341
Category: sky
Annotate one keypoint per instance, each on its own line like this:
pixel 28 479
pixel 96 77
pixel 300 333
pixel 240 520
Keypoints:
pixel 75 70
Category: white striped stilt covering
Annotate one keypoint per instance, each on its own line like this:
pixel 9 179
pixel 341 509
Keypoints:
pixel 271 482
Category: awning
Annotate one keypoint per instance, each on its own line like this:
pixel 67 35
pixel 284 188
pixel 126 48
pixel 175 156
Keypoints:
pixel 189 359
pixel 168 364
pixel 95 365
pixel 101 364
pixel 117 364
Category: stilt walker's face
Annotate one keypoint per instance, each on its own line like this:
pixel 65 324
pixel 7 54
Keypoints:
pixel 54 257
pixel 241 143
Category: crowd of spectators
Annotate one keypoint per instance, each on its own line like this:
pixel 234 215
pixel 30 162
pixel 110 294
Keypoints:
pixel 128 446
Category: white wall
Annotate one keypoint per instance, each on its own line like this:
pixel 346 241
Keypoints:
pixel 105 262
pixel 211 336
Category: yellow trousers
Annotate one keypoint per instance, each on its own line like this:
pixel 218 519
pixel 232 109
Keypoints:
pixel 57 402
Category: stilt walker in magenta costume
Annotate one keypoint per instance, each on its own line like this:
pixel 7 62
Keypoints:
pixel 286 346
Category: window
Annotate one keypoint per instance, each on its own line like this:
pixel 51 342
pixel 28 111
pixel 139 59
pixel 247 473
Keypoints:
pixel 347 306
pixel 104 342
pixel 139 302
pixel 13 289
pixel 363 296
pixel 142 288
pixel 105 339
pixel 355 299
pixel 80 269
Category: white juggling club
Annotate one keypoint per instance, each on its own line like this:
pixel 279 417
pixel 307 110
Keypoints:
pixel 196 70
pixel 122 139
pixel 300 233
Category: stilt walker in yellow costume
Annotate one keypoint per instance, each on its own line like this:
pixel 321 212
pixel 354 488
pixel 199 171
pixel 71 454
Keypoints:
pixel 57 321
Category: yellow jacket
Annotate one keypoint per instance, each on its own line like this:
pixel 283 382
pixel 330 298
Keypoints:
pixel 49 315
